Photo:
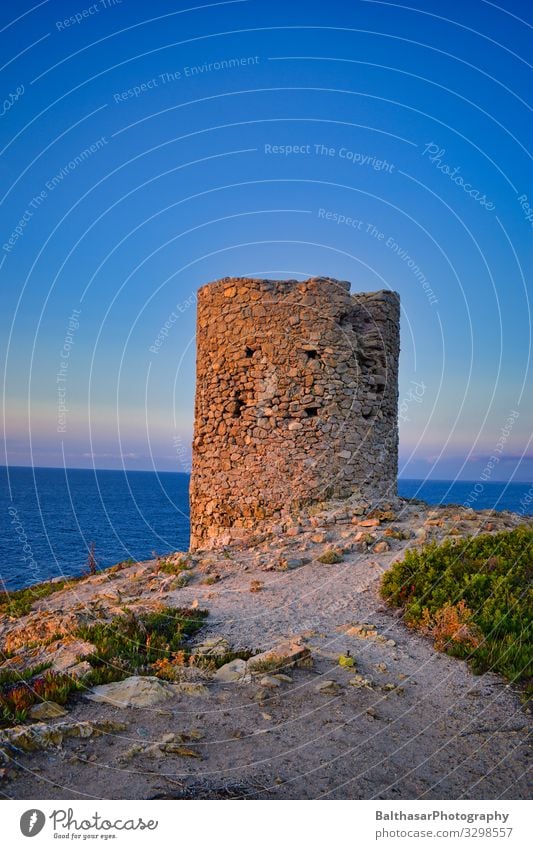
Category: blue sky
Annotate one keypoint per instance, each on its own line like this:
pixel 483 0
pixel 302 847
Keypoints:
pixel 147 149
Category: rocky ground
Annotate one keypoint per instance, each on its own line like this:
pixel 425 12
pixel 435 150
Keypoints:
pixel 403 722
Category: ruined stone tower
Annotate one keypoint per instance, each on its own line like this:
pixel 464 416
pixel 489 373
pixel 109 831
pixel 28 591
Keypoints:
pixel 296 400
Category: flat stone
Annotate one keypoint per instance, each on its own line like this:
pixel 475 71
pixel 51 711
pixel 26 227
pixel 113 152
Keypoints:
pixel 296 562
pixel 137 691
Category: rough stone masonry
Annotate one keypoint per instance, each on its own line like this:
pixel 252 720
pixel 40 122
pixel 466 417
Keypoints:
pixel 296 401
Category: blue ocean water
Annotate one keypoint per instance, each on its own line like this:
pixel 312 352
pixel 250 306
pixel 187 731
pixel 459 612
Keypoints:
pixel 50 516
pixel 60 512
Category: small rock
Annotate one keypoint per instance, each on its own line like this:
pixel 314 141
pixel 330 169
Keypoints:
pixel 381 546
pixel 191 688
pixel 80 670
pixel 319 538
pixel 281 677
pixel 170 737
pixel 270 682
pixel 328 688
pixel 360 681
pixel 369 523
pixel 232 672
pixel 381 667
pixel 383 515
pixel 214 647
pixel 182 751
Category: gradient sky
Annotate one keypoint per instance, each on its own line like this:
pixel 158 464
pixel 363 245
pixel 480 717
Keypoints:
pixel 152 179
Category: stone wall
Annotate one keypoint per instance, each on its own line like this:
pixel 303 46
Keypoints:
pixel 296 400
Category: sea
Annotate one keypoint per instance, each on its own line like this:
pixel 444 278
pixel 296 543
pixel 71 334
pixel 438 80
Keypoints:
pixel 50 517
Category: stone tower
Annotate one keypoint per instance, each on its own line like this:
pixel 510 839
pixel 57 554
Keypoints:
pixel 296 401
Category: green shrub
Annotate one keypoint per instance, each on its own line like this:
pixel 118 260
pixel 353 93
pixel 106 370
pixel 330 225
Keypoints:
pixel 330 557
pixel 485 583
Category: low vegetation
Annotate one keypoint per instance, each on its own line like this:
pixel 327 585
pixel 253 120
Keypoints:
pixel 127 645
pixel 19 602
pixel 473 597
pixel 171 567
pixel 330 557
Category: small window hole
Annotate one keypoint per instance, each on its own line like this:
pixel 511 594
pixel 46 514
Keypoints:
pixel 238 404
pixel 311 412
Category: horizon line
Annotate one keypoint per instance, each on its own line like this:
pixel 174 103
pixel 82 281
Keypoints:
pixel 176 472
